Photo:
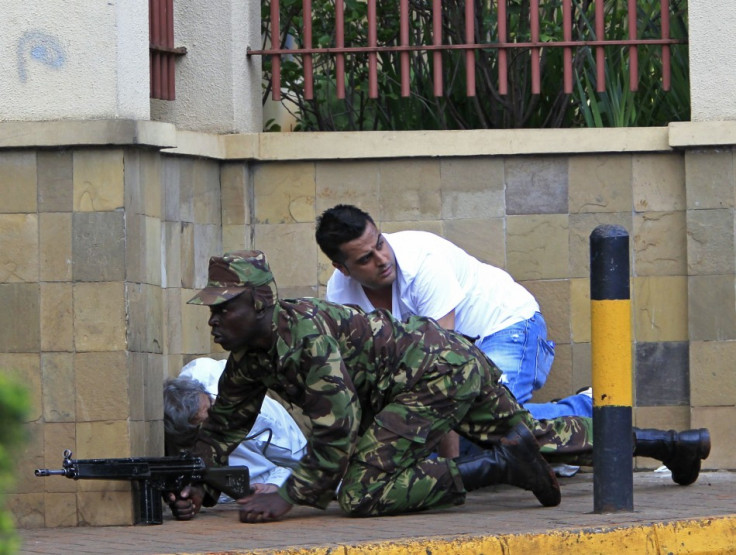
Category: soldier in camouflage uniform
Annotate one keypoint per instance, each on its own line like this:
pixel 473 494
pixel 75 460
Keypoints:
pixel 379 395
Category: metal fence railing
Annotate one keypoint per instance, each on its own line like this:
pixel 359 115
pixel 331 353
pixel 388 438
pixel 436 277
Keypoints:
pixel 572 37
pixel 162 52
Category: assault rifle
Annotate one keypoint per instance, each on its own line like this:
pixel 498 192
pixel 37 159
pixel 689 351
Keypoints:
pixel 152 476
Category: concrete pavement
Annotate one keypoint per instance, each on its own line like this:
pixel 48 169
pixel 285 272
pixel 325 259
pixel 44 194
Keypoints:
pixel 667 518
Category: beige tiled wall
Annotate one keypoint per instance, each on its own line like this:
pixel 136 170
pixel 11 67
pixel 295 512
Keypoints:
pixel 102 247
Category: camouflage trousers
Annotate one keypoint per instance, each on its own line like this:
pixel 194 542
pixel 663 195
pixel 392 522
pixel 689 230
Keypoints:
pixel 391 470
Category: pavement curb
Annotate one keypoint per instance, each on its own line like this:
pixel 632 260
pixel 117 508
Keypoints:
pixel 716 535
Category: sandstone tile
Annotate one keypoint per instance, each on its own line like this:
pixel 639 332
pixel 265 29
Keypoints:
pixel 537 246
pixel 182 208
pixel 55 181
pixel 436 227
pixel 236 193
pixel 143 183
pixel 55 256
pixel 99 316
pixel 98 180
pixel 710 242
pixel 20 250
pixel 153 388
pixel 102 439
pixel 18 177
pixel 143 249
pixel 145 318
pixel 582 366
pixel 659 308
pixel 483 239
pixel 410 190
pixel 348 182
pixel 662 374
pixel 207 200
pixel 472 188
pixel 207 243
pixel 536 185
pixel 172 320
pixel 600 183
pixel 298 291
pixel 27 509
pixel 719 421
pixel 284 193
pixel 195 333
pixel 581 228
pixel 711 373
pixel 236 237
pixel 710 308
pixel 60 509
pixel 580 310
pixel 658 242
pixel 709 178
pixel 105 508
pixel 187 258
pixel 57 438
pixel 57 377
pixel 136 385
pixel 553 297
pixel 102 386
pixel 25 369
pixel 57 321
pixel 662 418
pixel 171 272
pixel 26 459
pixel 20 324
pixel 291 252
pixel 170 177
pixel 658 182
pixel 98 245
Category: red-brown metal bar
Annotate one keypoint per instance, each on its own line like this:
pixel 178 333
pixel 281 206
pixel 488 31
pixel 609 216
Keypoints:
pixel 469 53
pixel 372 57
pixel 665 16
pixel 633 50
pixel 307 60
pixel 275 58
pixel 162 17
pixel 154 54
pixel 567 51
pixel 503 67
pixel 170 59
pixel 437 41
pixel 404 56
pixel 340 43
pixel 600 55
pixel 536 77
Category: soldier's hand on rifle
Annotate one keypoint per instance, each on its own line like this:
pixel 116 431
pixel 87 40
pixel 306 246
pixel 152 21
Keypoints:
pixel 187 503
pixel 263 507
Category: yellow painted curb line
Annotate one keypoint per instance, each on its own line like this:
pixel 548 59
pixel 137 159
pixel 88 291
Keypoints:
pixel 716 535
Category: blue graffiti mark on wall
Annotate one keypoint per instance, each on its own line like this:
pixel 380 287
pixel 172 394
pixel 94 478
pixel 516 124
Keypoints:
pixel 40 47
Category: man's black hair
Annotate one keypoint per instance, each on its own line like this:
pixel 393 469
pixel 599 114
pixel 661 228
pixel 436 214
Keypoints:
pixel 338 225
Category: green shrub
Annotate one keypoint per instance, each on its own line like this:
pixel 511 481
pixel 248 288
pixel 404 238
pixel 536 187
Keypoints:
pixel 14 404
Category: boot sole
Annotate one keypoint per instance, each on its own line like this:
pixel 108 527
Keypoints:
pixel 702 452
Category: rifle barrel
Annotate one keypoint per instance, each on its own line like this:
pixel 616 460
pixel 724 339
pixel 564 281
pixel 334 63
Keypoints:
pixel 47 472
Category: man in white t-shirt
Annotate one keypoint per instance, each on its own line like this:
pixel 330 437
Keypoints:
pixel 415 272
pixel 274 446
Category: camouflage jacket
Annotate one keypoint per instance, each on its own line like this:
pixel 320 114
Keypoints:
pixel 340 366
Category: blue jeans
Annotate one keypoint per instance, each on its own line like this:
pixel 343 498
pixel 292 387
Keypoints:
pixel 525 356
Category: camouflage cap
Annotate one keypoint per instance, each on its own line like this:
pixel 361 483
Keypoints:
pixel 234 272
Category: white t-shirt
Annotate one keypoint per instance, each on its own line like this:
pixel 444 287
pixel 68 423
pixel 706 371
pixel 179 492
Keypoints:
pixel 434 276
pixel 268 456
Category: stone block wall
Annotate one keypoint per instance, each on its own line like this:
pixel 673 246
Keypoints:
pixel 101 247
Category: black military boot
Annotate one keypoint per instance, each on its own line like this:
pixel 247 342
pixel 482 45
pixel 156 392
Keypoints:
pixel 681 452
pixel 516 461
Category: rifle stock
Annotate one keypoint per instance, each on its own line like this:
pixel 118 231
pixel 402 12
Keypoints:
pixel 152 476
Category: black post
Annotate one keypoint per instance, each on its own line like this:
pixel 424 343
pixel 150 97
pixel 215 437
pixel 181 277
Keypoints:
pixel 613 451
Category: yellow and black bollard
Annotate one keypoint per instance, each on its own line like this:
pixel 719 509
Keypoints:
pixel 610 306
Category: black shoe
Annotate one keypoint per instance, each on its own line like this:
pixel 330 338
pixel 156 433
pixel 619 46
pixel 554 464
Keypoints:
pixel 681 452
pixel 516 461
